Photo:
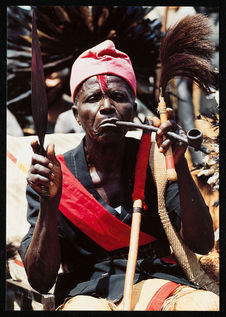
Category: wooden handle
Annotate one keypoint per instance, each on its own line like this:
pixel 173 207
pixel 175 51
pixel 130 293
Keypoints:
pixel 170 167
pixel 132 256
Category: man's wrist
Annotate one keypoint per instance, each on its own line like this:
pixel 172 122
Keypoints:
pixel 181 164
pixel 50 204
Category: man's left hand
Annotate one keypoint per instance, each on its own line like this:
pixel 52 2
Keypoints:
pixel 178 147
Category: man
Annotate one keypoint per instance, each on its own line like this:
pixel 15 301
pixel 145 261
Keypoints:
pixel 84 224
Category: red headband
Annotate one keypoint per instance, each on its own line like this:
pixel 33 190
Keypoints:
pixel 102 59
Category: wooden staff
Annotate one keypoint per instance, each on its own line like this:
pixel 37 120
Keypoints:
pixel 138 202
pixel 132 256
pixel 170 167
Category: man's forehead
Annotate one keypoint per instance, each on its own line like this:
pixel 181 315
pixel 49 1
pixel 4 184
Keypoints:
pixel 111 79
pixel 95 84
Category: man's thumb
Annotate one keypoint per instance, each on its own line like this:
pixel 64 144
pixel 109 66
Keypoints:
pixel 50 152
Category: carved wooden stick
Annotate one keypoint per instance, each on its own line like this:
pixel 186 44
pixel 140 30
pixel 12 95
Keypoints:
pixel 170 168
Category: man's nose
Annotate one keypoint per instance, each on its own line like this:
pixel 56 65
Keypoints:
pixel 106 105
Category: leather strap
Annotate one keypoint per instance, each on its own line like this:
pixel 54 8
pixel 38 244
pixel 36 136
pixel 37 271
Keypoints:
pixel 161 295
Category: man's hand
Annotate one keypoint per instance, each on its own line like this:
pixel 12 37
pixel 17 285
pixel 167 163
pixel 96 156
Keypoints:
pixel 45 171
pixel 178 147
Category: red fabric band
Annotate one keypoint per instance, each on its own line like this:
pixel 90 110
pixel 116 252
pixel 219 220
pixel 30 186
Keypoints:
pixel 141 167
pixel 161 295
pixel 86 213
pixel 169 161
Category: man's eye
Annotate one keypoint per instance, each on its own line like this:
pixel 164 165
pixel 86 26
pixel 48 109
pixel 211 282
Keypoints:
pixel 118 96
pixel 93 98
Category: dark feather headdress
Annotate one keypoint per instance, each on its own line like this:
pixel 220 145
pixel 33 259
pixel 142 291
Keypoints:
pixel 186 51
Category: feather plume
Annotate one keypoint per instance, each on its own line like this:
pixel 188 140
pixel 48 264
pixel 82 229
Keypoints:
pixel 186 51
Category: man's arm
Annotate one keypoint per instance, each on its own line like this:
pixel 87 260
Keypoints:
pixel 197 224
pixel 42 259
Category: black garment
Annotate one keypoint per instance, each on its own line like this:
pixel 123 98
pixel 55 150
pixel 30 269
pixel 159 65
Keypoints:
pixel 92 270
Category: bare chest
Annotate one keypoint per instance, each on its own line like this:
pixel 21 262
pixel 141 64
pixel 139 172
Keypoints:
pixel 107 186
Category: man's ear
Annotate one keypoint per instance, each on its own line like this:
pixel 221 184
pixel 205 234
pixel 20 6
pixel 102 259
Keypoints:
pixel 75 113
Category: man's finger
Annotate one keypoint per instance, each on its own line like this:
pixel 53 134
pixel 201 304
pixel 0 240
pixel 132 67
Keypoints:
pixel 170 114
pixel 50 153
pixel 156 121
pixel 165 146
pixel 37 158
pixel 159 140
pixel 35 146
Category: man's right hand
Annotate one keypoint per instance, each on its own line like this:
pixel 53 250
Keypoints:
pixel 45 171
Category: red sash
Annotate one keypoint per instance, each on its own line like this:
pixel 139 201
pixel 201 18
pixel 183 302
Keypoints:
pixel 86 213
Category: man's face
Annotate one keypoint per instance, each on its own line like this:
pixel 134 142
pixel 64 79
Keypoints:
pixel 100 104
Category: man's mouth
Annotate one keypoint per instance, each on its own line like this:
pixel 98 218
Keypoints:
pixel 111 122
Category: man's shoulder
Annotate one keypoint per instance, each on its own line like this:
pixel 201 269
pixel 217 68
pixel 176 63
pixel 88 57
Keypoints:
pixel 73 151
pixel 70 152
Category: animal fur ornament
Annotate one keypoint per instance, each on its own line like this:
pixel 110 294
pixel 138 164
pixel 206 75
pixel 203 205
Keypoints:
pixel 186 51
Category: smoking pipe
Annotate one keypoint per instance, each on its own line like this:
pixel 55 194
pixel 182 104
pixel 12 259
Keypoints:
pixel 194 136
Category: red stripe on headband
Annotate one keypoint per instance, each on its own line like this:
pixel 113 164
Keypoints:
pixel 102 79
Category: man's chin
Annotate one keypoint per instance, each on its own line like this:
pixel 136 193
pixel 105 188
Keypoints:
pixel 111 136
